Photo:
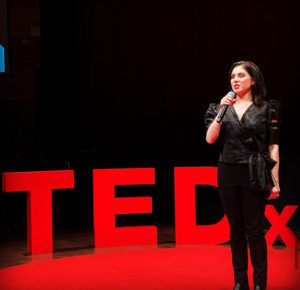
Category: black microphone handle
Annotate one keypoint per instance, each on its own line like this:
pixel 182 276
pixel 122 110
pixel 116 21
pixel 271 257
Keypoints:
pixel 224 108
pixel 222 113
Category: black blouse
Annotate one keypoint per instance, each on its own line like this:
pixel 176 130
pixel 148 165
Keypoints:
pixel 247 140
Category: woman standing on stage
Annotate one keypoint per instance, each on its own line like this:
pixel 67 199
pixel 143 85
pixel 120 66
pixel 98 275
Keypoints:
pixel 248 166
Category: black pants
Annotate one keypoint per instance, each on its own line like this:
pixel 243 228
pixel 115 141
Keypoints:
pixel 244 208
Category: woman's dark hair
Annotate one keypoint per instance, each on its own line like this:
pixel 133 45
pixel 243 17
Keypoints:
pixel 259 91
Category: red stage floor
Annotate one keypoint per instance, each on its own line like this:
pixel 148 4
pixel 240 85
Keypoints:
pixel 193 267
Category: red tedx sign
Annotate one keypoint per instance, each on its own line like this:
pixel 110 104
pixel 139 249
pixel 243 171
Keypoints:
pixel 39 186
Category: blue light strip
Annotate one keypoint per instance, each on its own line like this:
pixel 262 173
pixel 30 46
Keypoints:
pixel 2 59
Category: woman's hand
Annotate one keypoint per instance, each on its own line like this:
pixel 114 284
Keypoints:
pixel 274 192
pixel 227 100
pixel 274 154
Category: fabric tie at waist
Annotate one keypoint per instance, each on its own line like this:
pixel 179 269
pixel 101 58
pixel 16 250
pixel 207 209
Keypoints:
pixel 260 166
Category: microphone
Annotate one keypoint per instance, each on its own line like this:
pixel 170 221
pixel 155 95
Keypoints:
pixel 224 108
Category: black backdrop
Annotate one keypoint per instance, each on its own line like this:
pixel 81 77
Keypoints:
pixel 4 32
pixel 126 84
pixel 140 74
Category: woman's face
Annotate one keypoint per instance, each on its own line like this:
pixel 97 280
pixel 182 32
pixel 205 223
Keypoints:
pixel 241 81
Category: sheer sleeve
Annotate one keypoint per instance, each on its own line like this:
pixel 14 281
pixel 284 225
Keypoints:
pixel 274 121
pixel 211 114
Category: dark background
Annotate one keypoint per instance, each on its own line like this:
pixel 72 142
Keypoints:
pixel 4 32
pixel 117 84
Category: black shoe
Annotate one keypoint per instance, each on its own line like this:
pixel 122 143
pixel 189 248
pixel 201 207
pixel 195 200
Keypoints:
pixel 238 286
pixel 257 287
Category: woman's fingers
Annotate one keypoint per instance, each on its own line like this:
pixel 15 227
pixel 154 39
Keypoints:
pixel 274 193
pixel 227 100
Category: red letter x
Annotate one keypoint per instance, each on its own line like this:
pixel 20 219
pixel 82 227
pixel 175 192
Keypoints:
pixel 279 227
